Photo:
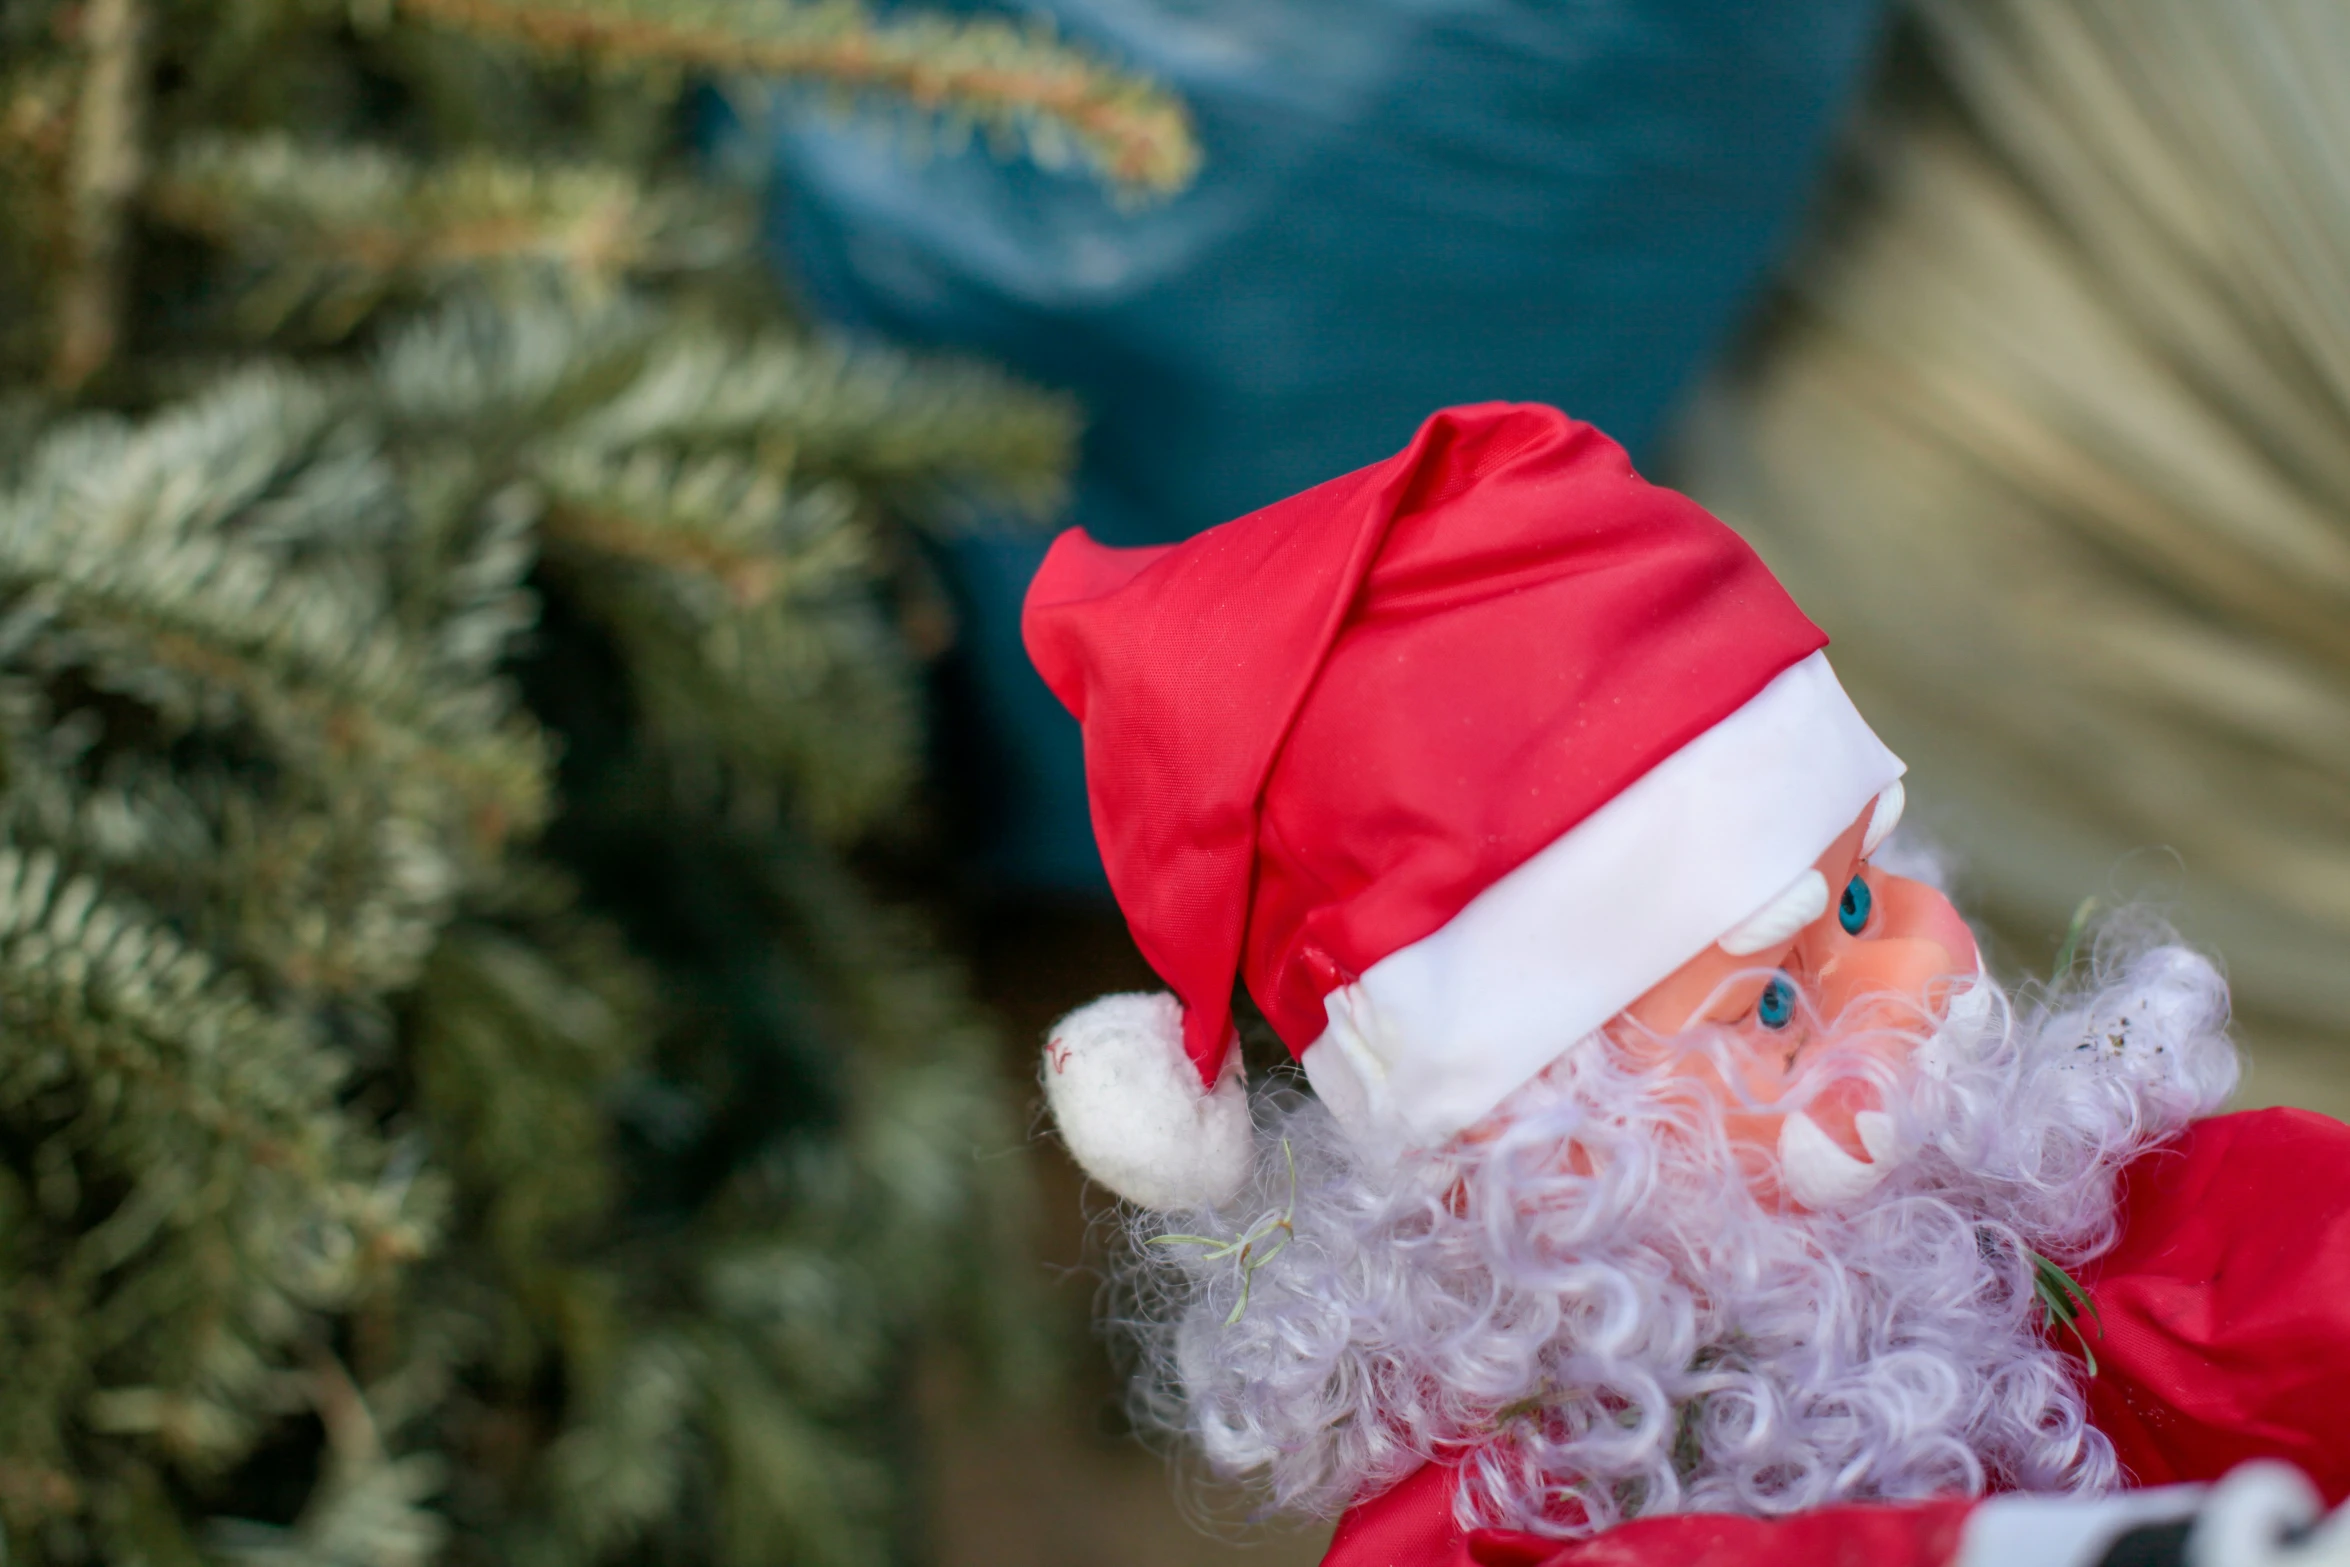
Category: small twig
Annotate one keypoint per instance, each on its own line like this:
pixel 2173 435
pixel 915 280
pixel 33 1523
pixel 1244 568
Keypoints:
pixel 751 577
pixel 1250 1259
pixel 103 168
pixel 1141 135
pixel 351 1434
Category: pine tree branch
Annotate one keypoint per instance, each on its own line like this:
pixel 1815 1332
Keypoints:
pixel 103 171
pixel 740 527
pixel 131 999
pixel 218 571
pixel 522 1028
pixel 367 1508
pixel 1018 80
pixel 930 433
pixel 803 1495
pixel 370 209
pixel 748 576
pixel 246 1200
pixel 334 229
pixel 619 1468
pixel 919 1207
pixel 135 819
pixel 814 696
pixel 600 382
pixel 505 370
pixel 266 997
pixel 120 534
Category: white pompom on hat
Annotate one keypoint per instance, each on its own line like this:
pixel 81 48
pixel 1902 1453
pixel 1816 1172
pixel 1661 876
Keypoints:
pixel 1129 1105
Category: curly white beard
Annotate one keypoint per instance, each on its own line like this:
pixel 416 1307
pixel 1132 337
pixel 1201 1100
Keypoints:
pixel 1646 1338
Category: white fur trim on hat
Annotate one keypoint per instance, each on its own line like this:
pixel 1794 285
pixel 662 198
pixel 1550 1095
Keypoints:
pixel 1435 1035
pixel 1129 1105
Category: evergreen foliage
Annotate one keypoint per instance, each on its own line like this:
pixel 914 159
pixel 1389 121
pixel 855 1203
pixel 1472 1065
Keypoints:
pixel 457 1101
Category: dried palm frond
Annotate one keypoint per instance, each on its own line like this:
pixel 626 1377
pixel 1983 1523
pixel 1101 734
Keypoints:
pixel 2053 434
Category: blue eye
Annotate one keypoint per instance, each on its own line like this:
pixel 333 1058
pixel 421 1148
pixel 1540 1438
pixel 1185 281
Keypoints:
pixel 1853 912
pixel 1777 1006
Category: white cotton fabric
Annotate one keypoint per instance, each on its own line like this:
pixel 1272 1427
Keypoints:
pixel 1432 1037
pixel 2066 1531
pixel 2266 1514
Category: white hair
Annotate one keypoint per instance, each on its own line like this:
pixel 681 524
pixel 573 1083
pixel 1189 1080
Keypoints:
pixel 1584 1306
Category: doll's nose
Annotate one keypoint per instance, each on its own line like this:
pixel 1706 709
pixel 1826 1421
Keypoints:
pixel 1917 912
pixel 1916 940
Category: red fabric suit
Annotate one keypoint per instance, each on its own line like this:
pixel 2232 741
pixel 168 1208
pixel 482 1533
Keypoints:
pixel 2225 1313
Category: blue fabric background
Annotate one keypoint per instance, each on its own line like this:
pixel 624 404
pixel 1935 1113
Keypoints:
pixel 1404 204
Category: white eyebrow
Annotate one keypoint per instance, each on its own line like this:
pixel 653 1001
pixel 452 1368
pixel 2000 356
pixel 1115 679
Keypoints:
pixel 1884 817
pixel 1803 900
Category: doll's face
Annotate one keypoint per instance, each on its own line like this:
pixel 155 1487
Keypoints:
pixel 1882 953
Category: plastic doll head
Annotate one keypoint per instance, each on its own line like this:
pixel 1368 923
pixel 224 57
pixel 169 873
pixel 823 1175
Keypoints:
pixel 1868 961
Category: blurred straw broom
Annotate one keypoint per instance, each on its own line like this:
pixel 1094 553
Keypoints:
pixel 2052 433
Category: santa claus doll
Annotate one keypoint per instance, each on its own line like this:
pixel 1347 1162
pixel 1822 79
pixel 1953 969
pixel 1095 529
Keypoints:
pixel 1670 1185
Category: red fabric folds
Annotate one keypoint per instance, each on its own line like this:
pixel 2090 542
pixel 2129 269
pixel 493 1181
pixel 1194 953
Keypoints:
pixel 1408 1525
pixel 2223 1315
pixel 1914 1534
pixel 1411 1526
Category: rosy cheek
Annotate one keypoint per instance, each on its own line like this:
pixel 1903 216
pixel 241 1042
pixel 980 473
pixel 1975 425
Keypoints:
pixel 1899 972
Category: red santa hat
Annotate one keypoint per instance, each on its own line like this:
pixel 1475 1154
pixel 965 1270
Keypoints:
pixel 1449 759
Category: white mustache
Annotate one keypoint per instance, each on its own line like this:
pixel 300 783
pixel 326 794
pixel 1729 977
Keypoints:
pixel 1821 1175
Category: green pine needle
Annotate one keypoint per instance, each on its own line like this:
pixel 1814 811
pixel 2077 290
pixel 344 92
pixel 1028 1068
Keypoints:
pixel 1245 1248
pixel 2072 939
pixel 2061 1300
